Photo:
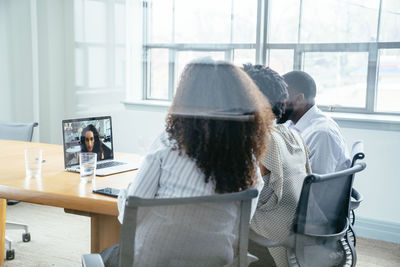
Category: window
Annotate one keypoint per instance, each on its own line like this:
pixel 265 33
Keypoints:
pixel 100 53
pixel 341 77
pixel 389 80
pixel 182 30
pixel 350 47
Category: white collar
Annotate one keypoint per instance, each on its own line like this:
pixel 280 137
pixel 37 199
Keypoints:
pixel 304 121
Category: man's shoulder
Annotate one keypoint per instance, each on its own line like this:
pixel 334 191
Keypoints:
pixel 323 123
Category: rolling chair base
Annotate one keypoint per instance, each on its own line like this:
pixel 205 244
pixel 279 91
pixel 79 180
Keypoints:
pixel 26 237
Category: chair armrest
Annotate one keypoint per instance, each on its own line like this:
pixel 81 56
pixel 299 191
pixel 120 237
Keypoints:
pixel 92 260
pixel 356 199
pixel 262 241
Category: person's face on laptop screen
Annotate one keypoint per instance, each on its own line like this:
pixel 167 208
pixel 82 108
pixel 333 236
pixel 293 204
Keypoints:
pixel 88 136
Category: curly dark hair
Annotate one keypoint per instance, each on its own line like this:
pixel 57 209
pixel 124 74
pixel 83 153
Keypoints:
pixel 225 148
pixel 98 145
pixel 271 84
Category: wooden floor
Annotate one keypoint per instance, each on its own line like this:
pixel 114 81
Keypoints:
pixel 59 239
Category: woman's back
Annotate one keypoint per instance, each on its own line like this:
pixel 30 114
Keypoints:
pixel 211 146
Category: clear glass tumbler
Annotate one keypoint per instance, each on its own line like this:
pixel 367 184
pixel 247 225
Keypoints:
pixel 87 163
pixel 33 162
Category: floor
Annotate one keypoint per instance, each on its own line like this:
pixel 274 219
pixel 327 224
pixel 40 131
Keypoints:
pixel 59 239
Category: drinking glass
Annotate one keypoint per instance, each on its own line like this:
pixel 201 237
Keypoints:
pixel 87 163
pixel 33 162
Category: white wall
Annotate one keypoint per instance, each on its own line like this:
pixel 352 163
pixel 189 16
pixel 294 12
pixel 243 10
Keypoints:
pixel 16 82
pixel 33 65
pixel 380 181
pixel 5 92
pixel 51 68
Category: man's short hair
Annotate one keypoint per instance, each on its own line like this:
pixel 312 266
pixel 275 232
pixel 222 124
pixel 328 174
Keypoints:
pixel 271 84
pixel 301 82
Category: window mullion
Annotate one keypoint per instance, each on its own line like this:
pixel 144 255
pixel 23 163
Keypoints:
pixel 146 51
pixel 111 47
pixel 372 77
pixel 265 31
pixel 171 73
pixel 298 55
pixel 299 23
pixel 378 27
pixel 260 28
pixel 229 55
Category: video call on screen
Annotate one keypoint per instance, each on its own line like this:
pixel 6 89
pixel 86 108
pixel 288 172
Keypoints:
pixel 74 140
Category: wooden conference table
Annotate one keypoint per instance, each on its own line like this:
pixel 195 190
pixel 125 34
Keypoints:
pixel 62 189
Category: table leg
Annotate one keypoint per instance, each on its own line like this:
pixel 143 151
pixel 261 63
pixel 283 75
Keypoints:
pixel 105 231
pixel 3 206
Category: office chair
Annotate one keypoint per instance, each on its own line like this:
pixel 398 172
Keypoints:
pixel 321 222
pixel 18 132
pixel 357 153
pixel 196 231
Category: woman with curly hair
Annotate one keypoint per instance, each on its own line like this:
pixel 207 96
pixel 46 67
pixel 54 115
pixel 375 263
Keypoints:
pixel 284 168
pixel 212 141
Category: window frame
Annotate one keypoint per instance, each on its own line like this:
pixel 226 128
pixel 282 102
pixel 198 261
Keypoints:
pixel 262 47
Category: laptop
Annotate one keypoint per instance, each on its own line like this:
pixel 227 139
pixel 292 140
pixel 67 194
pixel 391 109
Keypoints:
pixel 91 135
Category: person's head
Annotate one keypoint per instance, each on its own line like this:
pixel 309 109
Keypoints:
pixel 302 91
pixel 219 119
pixel 90 140
pixel 271 84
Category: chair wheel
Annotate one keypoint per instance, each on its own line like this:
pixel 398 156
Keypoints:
pixel 10 254
pixel 26 237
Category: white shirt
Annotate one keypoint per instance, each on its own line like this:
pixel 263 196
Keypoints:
pixel 328 151
pixel 166 174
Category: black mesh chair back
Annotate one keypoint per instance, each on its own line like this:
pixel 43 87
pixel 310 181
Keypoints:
pixel 322 217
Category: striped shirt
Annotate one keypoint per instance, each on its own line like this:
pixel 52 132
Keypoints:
pixel 166 174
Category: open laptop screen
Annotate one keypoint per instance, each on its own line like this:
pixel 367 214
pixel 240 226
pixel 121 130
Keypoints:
pixel 87 135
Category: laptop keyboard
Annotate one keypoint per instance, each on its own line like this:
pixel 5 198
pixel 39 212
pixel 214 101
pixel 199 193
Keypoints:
pixel 109 164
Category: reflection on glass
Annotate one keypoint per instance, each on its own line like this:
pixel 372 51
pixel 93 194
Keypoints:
pixel 184 57
pixel 158 73
pixel 389 81
pixel 390 21
pixel 95 21
pixel 206 21
pixel 120 58
pixel 339 21
pixel 82 188
pixel 244 21
pixel 281 60
pixel 119 17
pixel 283 21
pixel 244 56
pixel 341 77
pixel 79 67
pixel 160 19
pixel 78 20
pixel 33 183
pixel 97 68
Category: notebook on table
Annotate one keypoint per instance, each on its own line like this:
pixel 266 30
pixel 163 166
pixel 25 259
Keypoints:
pixel 91 135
